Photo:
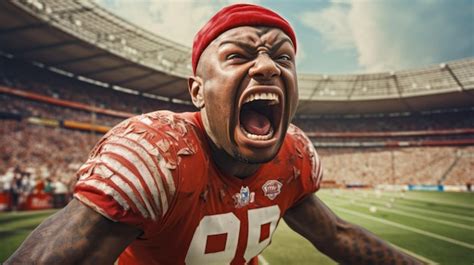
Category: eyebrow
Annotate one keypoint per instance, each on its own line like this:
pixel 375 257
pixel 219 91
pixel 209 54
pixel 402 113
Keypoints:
pixel 251 48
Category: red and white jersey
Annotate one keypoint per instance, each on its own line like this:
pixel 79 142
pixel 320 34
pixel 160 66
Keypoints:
pixel 155 172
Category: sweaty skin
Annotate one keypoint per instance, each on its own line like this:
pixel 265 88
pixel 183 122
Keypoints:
pixel 75 235
pixel 240 59
pixel 344 242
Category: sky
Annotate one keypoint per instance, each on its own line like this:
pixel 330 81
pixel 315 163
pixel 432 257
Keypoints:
pixel 334 36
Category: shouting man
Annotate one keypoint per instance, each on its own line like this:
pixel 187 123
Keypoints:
pixel 208 187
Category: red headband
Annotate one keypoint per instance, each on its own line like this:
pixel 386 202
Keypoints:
pixel 236 16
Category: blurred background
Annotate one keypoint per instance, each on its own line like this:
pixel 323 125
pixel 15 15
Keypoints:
pixel 386 96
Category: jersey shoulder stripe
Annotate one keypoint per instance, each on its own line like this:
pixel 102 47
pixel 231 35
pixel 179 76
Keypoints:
pixel 136 164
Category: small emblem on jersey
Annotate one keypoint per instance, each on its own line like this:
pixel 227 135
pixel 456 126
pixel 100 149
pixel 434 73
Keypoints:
pixel 244 197
pixel 272 188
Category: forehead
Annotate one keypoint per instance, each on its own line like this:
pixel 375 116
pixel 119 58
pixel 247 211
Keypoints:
pixel 254 36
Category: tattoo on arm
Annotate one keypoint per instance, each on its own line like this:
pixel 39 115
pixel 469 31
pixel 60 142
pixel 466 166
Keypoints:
pixel 367 249
pixel 342 241
pixel 76 234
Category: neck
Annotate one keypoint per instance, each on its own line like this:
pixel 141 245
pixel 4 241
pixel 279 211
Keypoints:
pixel 227 164
pixel 231 166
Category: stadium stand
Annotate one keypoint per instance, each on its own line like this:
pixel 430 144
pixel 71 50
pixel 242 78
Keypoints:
pixel 423 148
pixel 411 127
pixel 49 122
pixel 399 166
pixel 27 77
pixel 417 121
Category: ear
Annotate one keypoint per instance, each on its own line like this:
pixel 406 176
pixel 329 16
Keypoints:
pixel 195 87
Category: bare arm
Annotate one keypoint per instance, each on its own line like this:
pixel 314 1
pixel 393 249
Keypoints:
pixel 342 241
pixel 76 234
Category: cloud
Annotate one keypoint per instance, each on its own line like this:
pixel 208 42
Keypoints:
pixel 401 34
pixel 300 53
pixel 175 20
pixel 332 24
pixel 393 35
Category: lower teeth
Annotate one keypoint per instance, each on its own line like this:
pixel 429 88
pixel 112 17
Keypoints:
pixel 269 135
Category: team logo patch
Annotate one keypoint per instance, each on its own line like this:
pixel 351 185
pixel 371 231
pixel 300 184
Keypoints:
pixel 244 197
pixel 272 188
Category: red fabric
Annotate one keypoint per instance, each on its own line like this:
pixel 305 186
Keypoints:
pixel 39 201
pixel 205 205
pixel 264 232
pixel 215 243
pixel 5 201
pixel 236 16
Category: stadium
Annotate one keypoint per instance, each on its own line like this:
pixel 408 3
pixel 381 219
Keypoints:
pixel 397 147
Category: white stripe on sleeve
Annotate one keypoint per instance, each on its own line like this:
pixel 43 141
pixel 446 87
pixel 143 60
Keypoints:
pixel 161 162
pixel 151 165
pixel 106 189
pixel 116 166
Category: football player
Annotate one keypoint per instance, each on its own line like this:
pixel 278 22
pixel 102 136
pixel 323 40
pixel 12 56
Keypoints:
pixel 208 187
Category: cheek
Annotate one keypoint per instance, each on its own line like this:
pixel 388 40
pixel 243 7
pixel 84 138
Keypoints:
pixel 217 101
pixel 292 89
pixel 218 107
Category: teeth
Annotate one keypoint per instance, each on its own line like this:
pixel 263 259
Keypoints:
pixel 263 96
pixel 268 136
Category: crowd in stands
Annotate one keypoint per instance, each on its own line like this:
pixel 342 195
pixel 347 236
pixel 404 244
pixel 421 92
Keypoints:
pixel 399 166
pixel 24 76
pixel 35 158
pixel 436 120
pixel 462 170
pixel 30 108
pixel 21 184
pixel 43 151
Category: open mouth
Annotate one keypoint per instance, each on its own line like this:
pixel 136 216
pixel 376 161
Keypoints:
pixel 260 115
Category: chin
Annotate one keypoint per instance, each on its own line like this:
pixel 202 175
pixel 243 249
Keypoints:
pixel 255 156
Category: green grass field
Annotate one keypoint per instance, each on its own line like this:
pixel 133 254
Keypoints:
pixel 437 227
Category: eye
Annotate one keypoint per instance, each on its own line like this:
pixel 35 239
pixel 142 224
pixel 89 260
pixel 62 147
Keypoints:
pixel 284 57
pixel 234 56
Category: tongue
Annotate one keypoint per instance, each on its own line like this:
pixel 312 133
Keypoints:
pixel 254 122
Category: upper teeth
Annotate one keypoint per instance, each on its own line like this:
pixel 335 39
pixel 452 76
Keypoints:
pixel 263 96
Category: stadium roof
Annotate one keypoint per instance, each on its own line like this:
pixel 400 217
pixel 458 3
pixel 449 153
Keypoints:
pixel 82 39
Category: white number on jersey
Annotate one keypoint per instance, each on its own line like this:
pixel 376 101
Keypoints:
pixel 261 221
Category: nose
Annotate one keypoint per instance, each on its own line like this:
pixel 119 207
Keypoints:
pixel 264 68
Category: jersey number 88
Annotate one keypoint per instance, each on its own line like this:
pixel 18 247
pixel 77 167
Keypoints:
pixel 228 224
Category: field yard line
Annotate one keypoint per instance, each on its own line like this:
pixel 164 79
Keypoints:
pixel 416 230
pixel 407 197
pixel 456 216
pixel 424 259
pixel 452 215
pixel 25 213
pixel 262 260
pixel 458 225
